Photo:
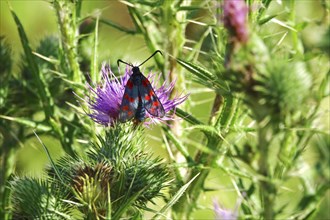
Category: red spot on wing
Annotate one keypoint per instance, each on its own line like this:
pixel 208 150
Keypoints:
pixel 147 97
pixel 155 103
pixel 125 108
pixel 145 82
pixel 151 93
pixel 130 113
pixel 129 84
pixel 128 98
pixel 131 99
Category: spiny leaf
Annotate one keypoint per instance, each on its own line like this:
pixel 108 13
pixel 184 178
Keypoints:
pixel 266 19
pixel 187 117
pixel 43 91
pixel 205 77
pixel 50 60
pixel 208 130
pixel 118 27
pixel 200 72
pixel 28 122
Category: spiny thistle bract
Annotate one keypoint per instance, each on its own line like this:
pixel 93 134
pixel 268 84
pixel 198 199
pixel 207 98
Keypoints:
pixel 40 199
pixel 135 173
pixel 116 170
pixel 284 87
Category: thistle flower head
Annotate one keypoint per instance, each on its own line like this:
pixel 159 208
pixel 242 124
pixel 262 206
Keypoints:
pixel 91 185
pixel 234 18
pixel 284 87
pixel 107 97
pixel 91 181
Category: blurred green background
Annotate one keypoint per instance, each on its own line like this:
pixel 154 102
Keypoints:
pixel 39 20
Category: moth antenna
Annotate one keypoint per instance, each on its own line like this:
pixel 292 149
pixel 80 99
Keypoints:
pixel 120 61
pixel 157 51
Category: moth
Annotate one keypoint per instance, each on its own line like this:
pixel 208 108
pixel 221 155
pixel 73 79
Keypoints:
pixel 139 96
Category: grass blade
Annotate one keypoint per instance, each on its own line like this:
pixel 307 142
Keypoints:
pixel 174 199
pixel 49 157
pixel 199 72
pixel 178 144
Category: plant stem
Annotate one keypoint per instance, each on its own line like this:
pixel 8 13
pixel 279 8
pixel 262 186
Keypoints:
pixel 66 14
pixel 267 189
pixel 186 204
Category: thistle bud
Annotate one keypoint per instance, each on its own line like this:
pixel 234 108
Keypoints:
pixel 234 19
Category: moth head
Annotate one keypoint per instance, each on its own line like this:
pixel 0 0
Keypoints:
pixel 135 69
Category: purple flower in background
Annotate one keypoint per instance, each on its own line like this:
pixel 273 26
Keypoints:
pixel 235 19
pixel 106 98
pixel 223 214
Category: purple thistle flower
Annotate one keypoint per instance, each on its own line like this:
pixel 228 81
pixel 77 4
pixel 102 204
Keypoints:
pixel 235 19
pixel 107 97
